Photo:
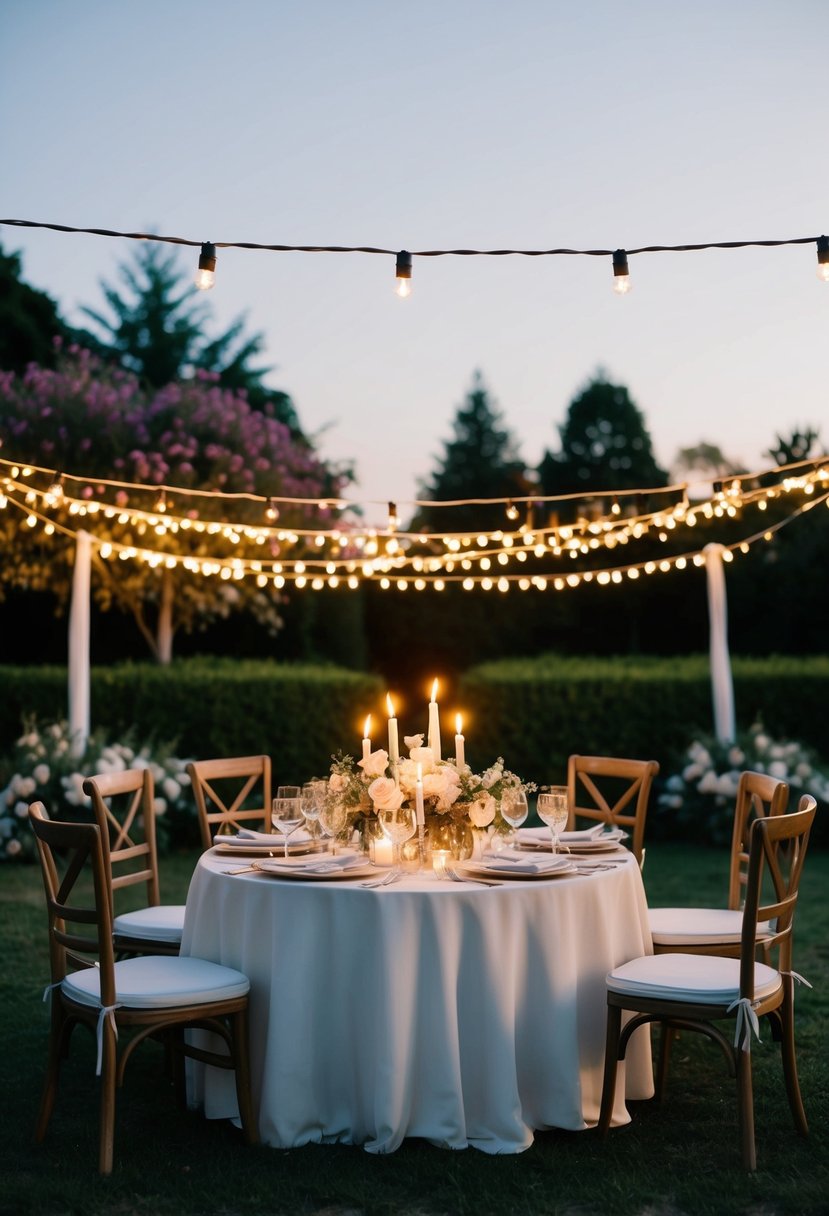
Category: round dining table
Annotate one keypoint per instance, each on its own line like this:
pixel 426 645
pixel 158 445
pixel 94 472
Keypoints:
pixel 463 1014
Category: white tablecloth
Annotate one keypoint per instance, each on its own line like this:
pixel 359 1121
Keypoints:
pixel 465 1015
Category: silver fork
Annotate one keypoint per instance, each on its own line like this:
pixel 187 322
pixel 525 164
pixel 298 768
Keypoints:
pixel 477 882
pixel 385 881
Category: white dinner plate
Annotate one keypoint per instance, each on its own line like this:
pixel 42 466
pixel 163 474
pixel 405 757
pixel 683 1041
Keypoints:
pixel 596 846
pixel 476 869
pixel 274 869
pixel 300 849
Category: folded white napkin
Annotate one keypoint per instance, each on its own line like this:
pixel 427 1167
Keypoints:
pixel 247 837
pixel 522 863
pixel 598 831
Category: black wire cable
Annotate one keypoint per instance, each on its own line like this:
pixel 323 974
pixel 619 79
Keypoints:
pixel 419 253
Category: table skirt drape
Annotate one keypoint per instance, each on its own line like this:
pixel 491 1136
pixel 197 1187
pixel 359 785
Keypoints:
pixel 464 1015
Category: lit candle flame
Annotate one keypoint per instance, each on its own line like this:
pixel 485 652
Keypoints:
pixel 367 727
pixel 389 705
pixel 435 691
pixel 458 724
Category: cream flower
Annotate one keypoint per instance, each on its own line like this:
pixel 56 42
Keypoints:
pixel 337 782
pixel 442 785
pixel 413 741
pixel 385 795
pixel 375 764
pixel 482 811
pixel 425 757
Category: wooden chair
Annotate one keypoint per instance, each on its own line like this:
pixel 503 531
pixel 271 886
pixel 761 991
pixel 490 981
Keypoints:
pixel 224 790
pixel 719 930
pixel 153 994
pixel 691 992
pixel 123 807
pixel 611 791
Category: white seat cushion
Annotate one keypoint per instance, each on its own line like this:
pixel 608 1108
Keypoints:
pixel 700 978
pixel 163 923
pixel 160 982
pixel 698 926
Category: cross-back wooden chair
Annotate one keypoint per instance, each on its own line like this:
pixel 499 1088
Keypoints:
pixel 153 995
pixel 692 992
pixel 696 930
pixel 123 806
pixel 224 791
pixel 612 791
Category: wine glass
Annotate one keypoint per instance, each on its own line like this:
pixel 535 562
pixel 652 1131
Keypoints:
pixel 313 796
pixel 289 791
pixel 287 816
pixel 398 826
pixel 333 817
pixel 514 810
pixel 554 809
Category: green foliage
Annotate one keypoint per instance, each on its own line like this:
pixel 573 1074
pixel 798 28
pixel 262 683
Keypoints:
pixel 29 319
pixel 482 461
pixel 605 445
pixel 205 708
pixel 536 712
pixel 155 329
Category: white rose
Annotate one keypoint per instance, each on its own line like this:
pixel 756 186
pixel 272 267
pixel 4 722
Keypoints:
pixel 803 770
pixel 777 752
pixel 26 786
pixel 13 848
pixel 21 810
pixel 443 786
pixel 337 783
pixel 159 805
pixel 736 757
pixel 482 811
pixel 709 784
pixel 374 765
pixel 385 795
pixel 761 742
pixel 424 756
pixel 778 769
pixel 407 776
pixel 413 741
pixel 41 773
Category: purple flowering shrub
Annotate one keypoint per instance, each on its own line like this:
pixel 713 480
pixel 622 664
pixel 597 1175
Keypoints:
pixel 95 421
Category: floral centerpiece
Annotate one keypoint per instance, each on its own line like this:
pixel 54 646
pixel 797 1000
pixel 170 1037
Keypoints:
pixel 455 800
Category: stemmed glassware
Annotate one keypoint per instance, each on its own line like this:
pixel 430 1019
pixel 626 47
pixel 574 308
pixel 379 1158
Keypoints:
pixel 398 826
pixel 333 817
pixel 553 809
pixel 287 816
pixel 313 795
pixel 514 810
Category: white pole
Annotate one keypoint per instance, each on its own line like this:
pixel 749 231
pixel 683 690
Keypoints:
pixel 79 645
pixel 722 685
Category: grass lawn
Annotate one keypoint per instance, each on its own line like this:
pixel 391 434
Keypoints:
pixel 681 1158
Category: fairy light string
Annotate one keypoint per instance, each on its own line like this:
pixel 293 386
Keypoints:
pixel 348 556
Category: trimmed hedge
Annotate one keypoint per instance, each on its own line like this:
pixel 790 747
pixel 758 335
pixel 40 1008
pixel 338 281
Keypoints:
pixel 297 714
pixel 536 712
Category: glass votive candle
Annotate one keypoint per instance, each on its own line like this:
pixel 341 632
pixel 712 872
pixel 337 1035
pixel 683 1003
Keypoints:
pixel 440 861
pixel 381 851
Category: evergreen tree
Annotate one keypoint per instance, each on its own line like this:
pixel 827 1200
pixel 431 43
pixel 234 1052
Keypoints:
pixel 155 329
pixel 482 461
pixel 29 320
pixel 605 445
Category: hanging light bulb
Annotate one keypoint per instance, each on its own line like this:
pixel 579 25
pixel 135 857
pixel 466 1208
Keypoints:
pixel 621 274
pixel 823 258
pixel 403 274
pixel 205 275
pixel 271 511
pixel 512 510
pixel 394 521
